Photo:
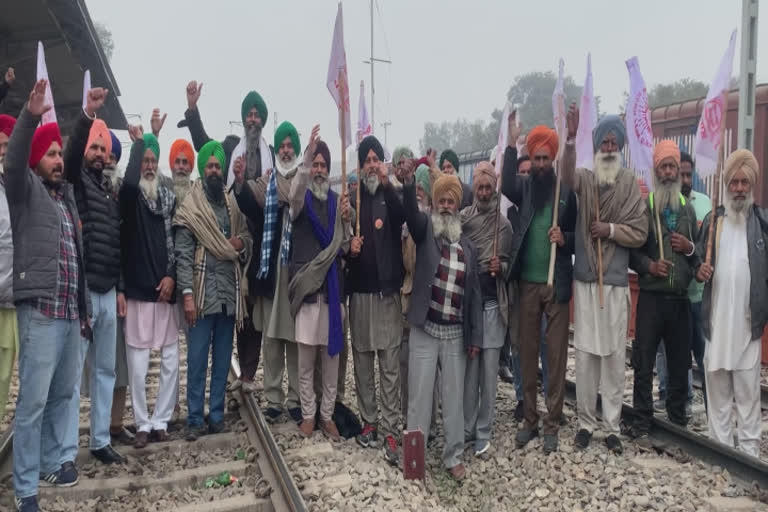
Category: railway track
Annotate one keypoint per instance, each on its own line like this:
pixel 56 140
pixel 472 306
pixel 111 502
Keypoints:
pixel 178 475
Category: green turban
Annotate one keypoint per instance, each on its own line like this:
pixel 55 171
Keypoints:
pixel 211 148
pixel 400 152
pixel 254 99
pixel 424 179
pixel 451 156
pixel 286 129
pixel 150 142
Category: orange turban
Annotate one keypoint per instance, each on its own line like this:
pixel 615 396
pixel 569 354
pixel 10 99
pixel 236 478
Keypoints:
pixel 483 170
pixel 665 149
pixel 99 130
pixel 447 184
pixel 181 146
pixel 540 138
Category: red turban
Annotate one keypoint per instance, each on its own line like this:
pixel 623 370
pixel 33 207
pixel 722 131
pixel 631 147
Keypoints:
pixel 41 142
pixel 181 146
pixel 6 124
pixel 99 130
pixel 665 149
pixel 540 138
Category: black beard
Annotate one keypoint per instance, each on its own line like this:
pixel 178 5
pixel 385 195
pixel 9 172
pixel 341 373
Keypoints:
pixel 542 184
pixel 685 190
pixel 214 186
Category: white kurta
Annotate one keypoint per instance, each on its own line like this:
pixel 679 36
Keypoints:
pixel 600 331
pixel 731 346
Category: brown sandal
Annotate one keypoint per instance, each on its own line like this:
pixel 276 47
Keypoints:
pixel 458 472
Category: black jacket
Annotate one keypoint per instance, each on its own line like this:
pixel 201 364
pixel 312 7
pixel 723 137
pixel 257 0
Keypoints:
pixel 379 266
pixel 99 213
pixel 518 190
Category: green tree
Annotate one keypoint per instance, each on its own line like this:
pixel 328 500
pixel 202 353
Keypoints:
pixel 681 90
pixel 105 38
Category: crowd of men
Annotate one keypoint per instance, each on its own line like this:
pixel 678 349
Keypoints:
pixel 430 280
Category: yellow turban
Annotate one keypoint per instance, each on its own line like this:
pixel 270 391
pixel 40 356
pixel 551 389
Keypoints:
pixel 447 184
pixel 741 159
pixel 483 170
pixel 665 149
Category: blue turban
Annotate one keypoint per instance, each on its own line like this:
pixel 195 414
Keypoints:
pixel 609 124
pixel 117 149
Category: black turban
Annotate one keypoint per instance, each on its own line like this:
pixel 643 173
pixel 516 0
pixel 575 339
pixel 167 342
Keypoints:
pixel 322 149
pixel 366 145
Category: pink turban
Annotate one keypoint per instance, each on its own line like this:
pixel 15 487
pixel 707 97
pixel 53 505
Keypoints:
pixel 99 130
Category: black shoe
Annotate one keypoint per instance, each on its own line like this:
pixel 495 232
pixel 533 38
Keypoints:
pixel 272 414
pixel 65 476
pixel 582 439
pixel 28 504
pixel 124 436
pixel 614 444
pixel 108 455
pixel 295 414
pixel 519 411
pixel 216 428
pixel 550 443
pixel 194 432
pixel 505 374
pixel 524 436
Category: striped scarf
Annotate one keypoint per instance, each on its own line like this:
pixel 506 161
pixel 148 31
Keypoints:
pixel 270 225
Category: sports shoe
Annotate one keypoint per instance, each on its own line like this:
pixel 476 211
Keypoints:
pixel 28 504
pixel 272 414
pixel 368 438
pixel 550 443
pixel 390 451
pixel 65 476
pixel 581 441
pixel 524 436
pixel 481 447
pixel 519 411
pixel 216 428
pixel 614 444
pixel 295 414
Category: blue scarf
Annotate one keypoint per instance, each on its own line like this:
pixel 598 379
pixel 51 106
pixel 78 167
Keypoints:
pixel 325 236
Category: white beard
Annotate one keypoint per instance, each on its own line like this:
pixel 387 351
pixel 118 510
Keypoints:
pixel 371 182
pixel 447 226
pixel 737 208
pixel 667 196
pixel 286 169
pixel 113 174
pixel 2 169
pixel 149 187
pixel 424 207
pixel 607 170
pixel 320 190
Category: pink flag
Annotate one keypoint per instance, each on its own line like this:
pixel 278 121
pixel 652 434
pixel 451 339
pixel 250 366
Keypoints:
pixel 638 121
pixel 708 141
pixel 337 80
pixel 86 87
pixel 558 108
pixel 585 151
pixel 42 73
pixel 363 123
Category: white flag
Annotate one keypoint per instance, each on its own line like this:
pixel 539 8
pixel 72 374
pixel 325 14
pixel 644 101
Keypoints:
pixel 364 127
pixel 86 86
pixel 638 121
pixel 42 73
pixel 501 148
pixel 585 150
pixel 337 80
pixel 708 141
pixel 558 108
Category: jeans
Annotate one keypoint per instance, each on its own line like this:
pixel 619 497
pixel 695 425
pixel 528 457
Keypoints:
pixel 515 363
pixel 697 346
pixel 49 372
pixel 217 330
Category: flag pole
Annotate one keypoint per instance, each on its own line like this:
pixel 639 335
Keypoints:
pixel 599 248
pixel 718 177
pixel 343 142
pixel 498 215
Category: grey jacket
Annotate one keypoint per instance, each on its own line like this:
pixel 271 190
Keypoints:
pixel 757 235
pixel 427 260
pixel 36 224
pixel 6 253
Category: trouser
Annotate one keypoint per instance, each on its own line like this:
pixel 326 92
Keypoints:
pixel 538 299
pixel 329 369
pixel 99 360
pixel 138 364
pixel 341 383
pixel 742 388
pixel 480 382
pixel 121 380
pixel 50 359
pixel 209 332
pixel 697 347
pixel 517 370
pixel 404 356
pixel 425 354
pixel 279 354
pixel 9 346
pixel 389 388
pixel 661 317
pixel 248 348
pixel 604 374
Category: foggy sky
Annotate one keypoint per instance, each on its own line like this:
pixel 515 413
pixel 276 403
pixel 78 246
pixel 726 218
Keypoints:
pixel 451 58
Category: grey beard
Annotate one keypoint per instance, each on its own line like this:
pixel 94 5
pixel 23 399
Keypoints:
pixel 320 190
pixel 667 195
pixel 149 187
pixel 607 170
pixel 737 208
pixel 181 185
pixel 252 154
pixel 371 183
pixel 447 226
pixel 2 169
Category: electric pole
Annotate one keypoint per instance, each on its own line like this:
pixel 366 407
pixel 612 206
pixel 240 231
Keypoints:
pixel 373 86
pixel 385 125
pixel 746 124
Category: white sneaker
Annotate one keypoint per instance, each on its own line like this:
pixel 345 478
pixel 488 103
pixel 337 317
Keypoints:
pixel 481 447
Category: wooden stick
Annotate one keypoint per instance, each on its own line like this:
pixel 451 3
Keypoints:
pixel 498 218
pixel 659 234
pixel 599 248
pixel 553 246
pixel 718 177
pixel 357 203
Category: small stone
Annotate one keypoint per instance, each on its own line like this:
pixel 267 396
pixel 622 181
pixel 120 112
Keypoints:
pixel 542 492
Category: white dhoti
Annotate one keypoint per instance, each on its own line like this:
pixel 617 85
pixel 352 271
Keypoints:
pixel 600 339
